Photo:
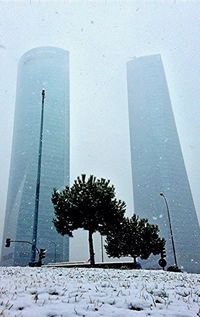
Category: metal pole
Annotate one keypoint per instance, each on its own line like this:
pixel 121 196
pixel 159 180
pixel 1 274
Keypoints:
pixel 24 241
pixel 37 191
pixel 170 226
pixel 102 259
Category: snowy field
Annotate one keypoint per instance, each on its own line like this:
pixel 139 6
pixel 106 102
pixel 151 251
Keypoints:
pixel 38 292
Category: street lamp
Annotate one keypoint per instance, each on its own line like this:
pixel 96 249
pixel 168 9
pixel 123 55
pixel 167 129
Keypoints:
pixel 170 226
pixel 37 190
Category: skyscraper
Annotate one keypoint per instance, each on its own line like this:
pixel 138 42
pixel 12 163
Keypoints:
pixel 40 68
pixel 157 162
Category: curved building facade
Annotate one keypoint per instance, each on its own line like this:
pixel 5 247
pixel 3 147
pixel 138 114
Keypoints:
pixel 40 68
pixel 158 164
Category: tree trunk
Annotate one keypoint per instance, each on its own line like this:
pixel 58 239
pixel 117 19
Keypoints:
pixel 91 249
pixel 135 262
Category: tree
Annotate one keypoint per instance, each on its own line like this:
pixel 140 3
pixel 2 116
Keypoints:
pixel 136 238
pixel 89 204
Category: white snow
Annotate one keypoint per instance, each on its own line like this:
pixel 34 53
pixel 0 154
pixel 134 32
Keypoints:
pixel 69 292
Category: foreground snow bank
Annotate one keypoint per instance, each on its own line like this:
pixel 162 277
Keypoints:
pixel 38 292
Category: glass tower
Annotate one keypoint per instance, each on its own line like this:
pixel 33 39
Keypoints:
pixel 40 68
pixel 158 165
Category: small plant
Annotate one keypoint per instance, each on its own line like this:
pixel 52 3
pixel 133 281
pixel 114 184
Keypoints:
pixel 53 293
pixel 36 297
pixel 134 307
pixel 77 313
pixel 173 269
pixel 20 308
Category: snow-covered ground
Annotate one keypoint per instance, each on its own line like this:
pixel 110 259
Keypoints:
pixel 38 292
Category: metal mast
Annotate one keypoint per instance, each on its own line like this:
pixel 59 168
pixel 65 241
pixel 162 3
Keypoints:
pixel 37 191
pixel 170 227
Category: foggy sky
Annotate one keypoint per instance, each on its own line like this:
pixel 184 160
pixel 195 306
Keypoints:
pixel 101 37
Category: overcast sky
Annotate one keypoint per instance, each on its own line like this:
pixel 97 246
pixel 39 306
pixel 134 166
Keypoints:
pixel 101 37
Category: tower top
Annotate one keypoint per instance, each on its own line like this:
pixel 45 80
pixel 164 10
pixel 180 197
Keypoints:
pixel 43 50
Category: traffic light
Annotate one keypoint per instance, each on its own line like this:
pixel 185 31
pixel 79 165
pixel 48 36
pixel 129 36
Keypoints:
pixel 163 253
pixel 162 262
pixel 7 244
pixel 42 254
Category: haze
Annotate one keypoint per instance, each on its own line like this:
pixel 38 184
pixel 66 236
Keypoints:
pixel 101 37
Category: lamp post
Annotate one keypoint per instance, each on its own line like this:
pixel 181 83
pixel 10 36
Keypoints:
pixel 37 190
pixel 170 226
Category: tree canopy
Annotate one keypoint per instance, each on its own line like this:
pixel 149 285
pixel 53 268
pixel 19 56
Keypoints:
pixel 89 204
pixel 136 238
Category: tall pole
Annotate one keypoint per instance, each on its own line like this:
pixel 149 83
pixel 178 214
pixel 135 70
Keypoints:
pixel 37 190
pixel 170 226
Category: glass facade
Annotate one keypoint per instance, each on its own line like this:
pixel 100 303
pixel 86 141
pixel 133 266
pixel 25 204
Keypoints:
pixel 157 163
pixel 40 68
